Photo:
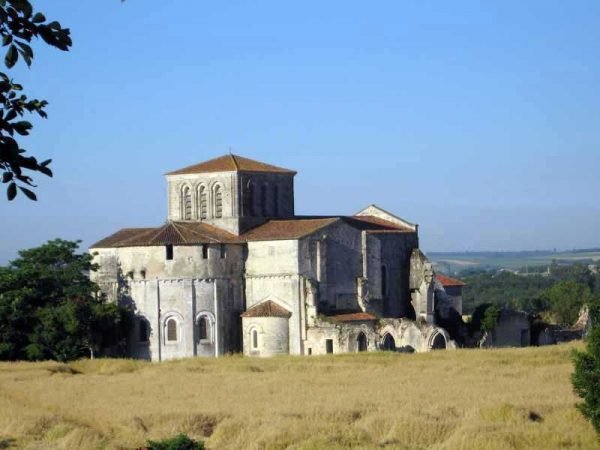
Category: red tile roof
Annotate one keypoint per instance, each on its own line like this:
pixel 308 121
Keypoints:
pixel 286 229
pixel 353 317
pixel 447 281
pixel 186 233
pixel 231 163
pixel 376 223
pixel 267 309
pixel 175 233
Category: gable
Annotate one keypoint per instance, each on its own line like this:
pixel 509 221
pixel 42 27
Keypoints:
pixel 382 214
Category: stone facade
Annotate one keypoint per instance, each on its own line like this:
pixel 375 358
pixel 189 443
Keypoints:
pixel 234 270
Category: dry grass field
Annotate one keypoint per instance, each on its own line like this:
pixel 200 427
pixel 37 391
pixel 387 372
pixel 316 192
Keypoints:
pixel 466 399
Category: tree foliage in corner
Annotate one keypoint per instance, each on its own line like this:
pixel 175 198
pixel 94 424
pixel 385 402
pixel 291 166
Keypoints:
pixel 19 24
pixel 586 376
pixel 49 308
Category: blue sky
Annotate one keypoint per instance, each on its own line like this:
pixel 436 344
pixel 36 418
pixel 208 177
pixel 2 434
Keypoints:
pixel 477 120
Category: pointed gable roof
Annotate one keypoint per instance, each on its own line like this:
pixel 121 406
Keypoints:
pixel 231 163
pixel 174 233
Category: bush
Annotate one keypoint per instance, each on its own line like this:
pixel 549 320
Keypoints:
pixel 586 376
pixel 179 442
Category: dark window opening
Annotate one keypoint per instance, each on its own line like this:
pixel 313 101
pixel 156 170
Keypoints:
pixel 309 351
pixel 222 251
pixel 204 251
pixel 383 281
pixel 203 328
pixel 169 251
pixel 144 330
pixel 251 200
pixel 172 330
pixel 263 200
pixel 362 342
pixel 275 200
pixel 254 339
pixel 329 345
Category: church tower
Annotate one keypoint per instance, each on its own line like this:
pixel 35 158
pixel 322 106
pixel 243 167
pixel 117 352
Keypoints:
pixel 230 192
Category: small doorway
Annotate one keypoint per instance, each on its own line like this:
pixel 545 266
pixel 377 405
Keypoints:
pixel 329 345
pixel 361 342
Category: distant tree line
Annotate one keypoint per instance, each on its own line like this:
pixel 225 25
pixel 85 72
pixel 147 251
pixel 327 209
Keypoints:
pixel 49 308
pixel 557 295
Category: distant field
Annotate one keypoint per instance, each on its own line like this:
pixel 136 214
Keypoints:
pixel 455 262
pixel 464 399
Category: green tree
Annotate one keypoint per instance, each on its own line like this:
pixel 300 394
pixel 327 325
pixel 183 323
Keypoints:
pixel 49 308
pixel 586 376
pixel 484 318
pixel 19 24
pixel 565 300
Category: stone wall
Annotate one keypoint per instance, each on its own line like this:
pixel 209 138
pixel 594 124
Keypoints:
pixel 184 289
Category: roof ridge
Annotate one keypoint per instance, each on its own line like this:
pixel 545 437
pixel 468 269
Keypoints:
pixel 159 230
pixel 235 163
pixel 179 232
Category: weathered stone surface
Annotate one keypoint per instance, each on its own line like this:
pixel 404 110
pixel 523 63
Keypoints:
pixel 346 283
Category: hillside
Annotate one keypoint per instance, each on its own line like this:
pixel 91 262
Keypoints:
pixel 468 399
pixel 455 262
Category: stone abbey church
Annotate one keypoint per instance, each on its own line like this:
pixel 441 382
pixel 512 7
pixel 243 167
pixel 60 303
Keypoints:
pixel 234 269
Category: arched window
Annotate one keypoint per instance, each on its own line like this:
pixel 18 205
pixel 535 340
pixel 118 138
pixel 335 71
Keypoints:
pixel 202 203
pixel 186 203
pixel 250 199
pixel 254 342
pixel 218 199
pixel 203 329
pixel 171 330
pixel 275 201
pixel 144 330
pixel 263 200
pixel 383 281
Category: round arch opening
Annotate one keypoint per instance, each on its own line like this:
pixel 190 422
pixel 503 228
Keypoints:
pixel 438 342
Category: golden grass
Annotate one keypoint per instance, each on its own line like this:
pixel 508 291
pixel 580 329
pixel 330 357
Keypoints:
pixel 465 399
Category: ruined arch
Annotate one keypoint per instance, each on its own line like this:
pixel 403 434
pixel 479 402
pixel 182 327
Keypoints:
pixel 437 341
pixel 388 342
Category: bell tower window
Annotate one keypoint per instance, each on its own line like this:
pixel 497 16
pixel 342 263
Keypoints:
pixel 202 203
pixel 218 202
pixel 186 203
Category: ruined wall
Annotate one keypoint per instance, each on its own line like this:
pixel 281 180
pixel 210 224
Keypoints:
pixel 395 253
pixel 333 258
pixel 511 330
